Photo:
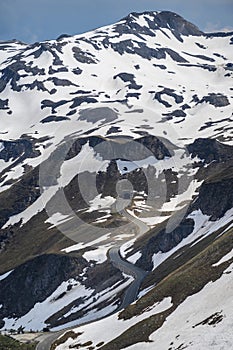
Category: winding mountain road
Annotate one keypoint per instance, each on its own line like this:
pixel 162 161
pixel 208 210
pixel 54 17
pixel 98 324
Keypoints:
pixel 46 340
pixel 129 269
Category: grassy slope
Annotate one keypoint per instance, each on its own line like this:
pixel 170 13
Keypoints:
pixel 186 280
pixel 31 240
pixel 8 343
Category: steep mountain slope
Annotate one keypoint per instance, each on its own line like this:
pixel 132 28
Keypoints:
pixel 202 320
pixel 120 137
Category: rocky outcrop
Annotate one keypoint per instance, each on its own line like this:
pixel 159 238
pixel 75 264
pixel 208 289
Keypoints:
pixel 217 100
pixel 23 148
pixel 163 242
pixel 123 148
pixel 17 198
pixel 106 181
pixel 163 19
pixel 215 198
pixel 210 150
pixel 83 57
pixel 35 280
pixel 98 278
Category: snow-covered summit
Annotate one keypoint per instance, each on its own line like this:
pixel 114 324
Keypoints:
pixel 141 61
pixel 156 20
pixel 136 112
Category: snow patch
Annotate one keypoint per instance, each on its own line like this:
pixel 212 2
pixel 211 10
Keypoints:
pixel 5 275
pixel 99 203
pixel 224 258
pixel 97 332
pixel 99 255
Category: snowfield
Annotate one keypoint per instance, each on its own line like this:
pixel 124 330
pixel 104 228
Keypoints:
pixel 187 327
pixel 114 326
pixel 152 80
pixel 184 327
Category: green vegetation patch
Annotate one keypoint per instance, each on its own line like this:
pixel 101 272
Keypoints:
pixel 63 338
pixel 180 284
pixel 8 343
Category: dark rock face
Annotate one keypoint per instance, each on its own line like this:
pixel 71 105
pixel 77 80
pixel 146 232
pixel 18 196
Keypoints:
pixel 106 181
pixel 209 67
pixel 99 278
pixel 131 26
pixel 111 149
pixel 19 196
pixel 220 35
pixel 202 57
pixel 63 36
pixel 75 148
pixel 142 50
pixel 163 242
pixel 155 145
pixel 210 150
pixel 133 94
pixel 126 77
pixel 83 57
pixel 215 198
pixel 40 48
pixel 229 66
pixel 217 100
pixel 4 104
pixel 93 115
pixel 208 124
pixel 35 280
pixel 77 71
pixel 139 149
pixel 175 56
pixel 179 25
pixel 54 118
pixel 60 82
pixel 77 101
pixel 169 92
pixel 165 19
pixel 161 66
pixel 10 74
pixel 15 149
pixel 57 70
pixel 24 192
pixel 113 129
pixel 52 105
pixel 36 84
pixel 177 113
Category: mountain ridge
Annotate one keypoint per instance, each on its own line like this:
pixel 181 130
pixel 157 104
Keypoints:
pixel 133 118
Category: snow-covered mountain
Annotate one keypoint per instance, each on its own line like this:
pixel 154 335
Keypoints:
pixel 119 138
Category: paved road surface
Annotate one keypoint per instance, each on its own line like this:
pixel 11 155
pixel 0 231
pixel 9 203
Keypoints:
pixel 129 269
pixel 131 293
pixel 46 340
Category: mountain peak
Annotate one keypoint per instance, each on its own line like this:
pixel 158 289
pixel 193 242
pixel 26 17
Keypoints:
pixel 156 20
pixel 119 137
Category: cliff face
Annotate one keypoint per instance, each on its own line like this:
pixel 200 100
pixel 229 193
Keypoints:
pixel 215 198
pixel 163 242
pixel 210 150
pixel 106 143
pixel 35 280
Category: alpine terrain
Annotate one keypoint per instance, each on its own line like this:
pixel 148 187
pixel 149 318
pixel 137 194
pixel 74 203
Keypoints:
pixel 116 187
